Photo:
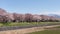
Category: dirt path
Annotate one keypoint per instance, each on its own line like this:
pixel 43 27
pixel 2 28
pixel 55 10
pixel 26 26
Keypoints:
pixel 26 30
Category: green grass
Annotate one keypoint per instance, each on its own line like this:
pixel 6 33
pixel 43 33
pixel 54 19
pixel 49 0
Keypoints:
pixel 25 23
pixel 57 27
pixel 47 32
pixel 1 24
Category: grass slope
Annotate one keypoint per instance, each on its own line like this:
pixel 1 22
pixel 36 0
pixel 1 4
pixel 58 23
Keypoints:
pixel 26 23
pixel 47 32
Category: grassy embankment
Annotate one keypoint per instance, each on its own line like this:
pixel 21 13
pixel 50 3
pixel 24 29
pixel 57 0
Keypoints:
pixel 34 23
pixel 47 32
pixel 55 30
pixel 26 23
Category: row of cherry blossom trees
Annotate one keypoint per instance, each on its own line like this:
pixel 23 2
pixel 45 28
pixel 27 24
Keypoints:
pixel 33 18
pixel 15 17
pixel 27 18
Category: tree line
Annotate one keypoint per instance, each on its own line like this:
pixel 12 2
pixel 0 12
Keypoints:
pixel 15 17
pixel 28 18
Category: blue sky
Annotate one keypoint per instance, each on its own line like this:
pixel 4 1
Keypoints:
pixel 31 6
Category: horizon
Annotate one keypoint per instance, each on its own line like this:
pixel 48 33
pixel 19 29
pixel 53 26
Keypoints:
pixel 31 6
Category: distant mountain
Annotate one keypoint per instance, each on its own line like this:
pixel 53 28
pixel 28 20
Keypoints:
pixel 54 15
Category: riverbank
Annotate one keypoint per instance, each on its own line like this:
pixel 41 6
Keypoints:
pixel 27 30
